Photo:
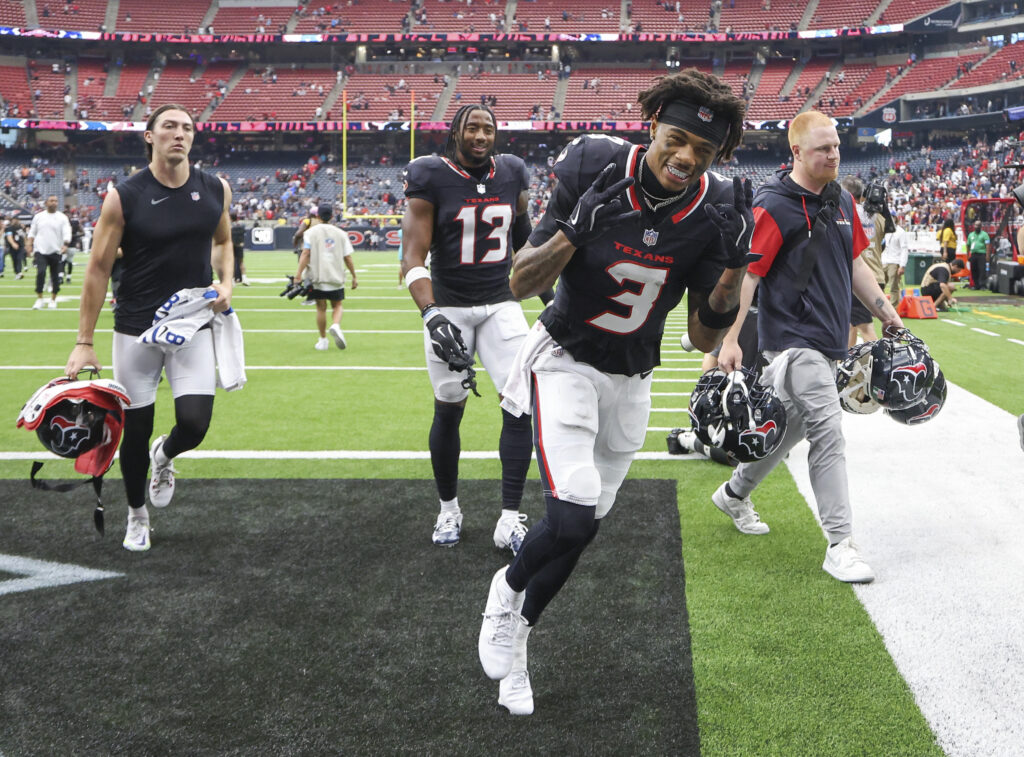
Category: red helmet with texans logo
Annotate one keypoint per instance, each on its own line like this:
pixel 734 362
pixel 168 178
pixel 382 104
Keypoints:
pixel 902 371
pixel 78 419
pixel 737 414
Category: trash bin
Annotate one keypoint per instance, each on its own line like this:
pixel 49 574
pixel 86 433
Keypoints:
pixel 917 264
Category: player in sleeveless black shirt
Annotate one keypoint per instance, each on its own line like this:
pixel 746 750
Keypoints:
pixel 172 223
pixel 627 231
pixel 468 210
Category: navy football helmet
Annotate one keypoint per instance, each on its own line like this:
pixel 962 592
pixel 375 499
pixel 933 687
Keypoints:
pixel 902 371
pixel 928 408
pixel 853 380
pixel 737 414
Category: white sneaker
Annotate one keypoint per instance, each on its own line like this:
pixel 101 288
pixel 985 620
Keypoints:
pixel 52 304
pixel 741 511
pixel 510 532
pixel 498 630
pixel 161 482
pixel 339 338
pixel 19 276
pixel 321 344
pixel 136 538
pixel 843 561
pixel 447 529
pixel 514 691
pixel 40 303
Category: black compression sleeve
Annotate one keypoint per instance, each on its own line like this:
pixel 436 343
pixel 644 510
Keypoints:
pixel 521 230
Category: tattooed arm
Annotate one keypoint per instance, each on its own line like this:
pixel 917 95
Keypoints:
pixel 704 311
pixel 874 299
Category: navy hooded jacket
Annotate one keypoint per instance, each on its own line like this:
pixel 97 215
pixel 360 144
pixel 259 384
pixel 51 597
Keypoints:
pixel 818 317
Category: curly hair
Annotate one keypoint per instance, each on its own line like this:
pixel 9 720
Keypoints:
pixel 459 122
pixel 698 88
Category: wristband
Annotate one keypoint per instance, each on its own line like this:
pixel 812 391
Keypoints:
pixel 715 320
pixel 429 312
pixel 415 274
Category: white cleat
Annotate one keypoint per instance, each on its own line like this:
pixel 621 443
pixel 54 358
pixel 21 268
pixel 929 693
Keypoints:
pixel 136 538
pixel 510 532
pixel 161 482
pixel 39 304
pixel 498 630
pixel 321 344
pixel 514 692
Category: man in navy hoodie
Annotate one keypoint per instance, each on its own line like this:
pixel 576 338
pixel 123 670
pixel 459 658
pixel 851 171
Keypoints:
pixel 806 259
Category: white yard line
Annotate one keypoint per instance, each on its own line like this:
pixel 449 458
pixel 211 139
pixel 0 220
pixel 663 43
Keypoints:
pixel 936 508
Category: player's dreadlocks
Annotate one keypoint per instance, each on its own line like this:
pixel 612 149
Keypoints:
pixel 459 121
pixel 698 88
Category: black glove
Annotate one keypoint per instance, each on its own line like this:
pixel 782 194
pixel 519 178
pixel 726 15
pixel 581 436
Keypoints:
pixel 597 209
pixel 735 223
pixel 830 200
pixel 446 340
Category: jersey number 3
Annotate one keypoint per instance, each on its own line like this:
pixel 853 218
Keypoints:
pixel 499 218
pixel 639 303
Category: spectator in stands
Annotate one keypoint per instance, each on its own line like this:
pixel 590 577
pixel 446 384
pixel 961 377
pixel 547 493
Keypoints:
pixel 326 252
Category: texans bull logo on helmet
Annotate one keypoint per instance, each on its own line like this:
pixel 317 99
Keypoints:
pixel 68 437
pixel 911 381
pixel 761 440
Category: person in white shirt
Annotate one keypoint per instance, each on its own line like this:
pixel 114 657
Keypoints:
pixel 48 239
pixel 326 252
pixel 894 262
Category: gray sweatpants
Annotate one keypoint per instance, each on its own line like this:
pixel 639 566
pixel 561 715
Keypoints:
pixel 805 381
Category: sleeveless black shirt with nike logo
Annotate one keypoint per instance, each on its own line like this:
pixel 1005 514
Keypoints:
pixel 167 240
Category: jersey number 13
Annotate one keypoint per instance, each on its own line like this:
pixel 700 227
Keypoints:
pixel 499 218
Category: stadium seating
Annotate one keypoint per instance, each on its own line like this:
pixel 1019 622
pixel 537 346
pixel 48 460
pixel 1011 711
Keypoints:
pixel 749 16
pixel 568 16
pixel 652 16
pixel 516 94
pixel 380 103
pixel 50 85
pixel 995 68
pixel 614 99
pixel 853 75
pixel 150 16
pixel 735 75
pixel 928 74
pixel 870 84
pixel 765 102
pixel 14 87
pixel 12 13
pixel 448 16
pixel 295 96
pixel 269 20
pixel 850 13
pixel 810 77
pixel 368 16
pixel 175 84
pixel 901 11
pixel 85 15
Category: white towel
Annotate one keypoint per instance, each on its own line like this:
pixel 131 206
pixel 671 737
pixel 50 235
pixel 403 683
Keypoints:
pixel 517 393
pixel 229 349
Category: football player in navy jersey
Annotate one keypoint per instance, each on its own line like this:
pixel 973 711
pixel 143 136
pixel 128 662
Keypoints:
pixel 467 209
pixel 172 223
pixel 627 231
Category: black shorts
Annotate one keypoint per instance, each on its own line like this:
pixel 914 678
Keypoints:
pixel 334 295
pixel 859 313
pixel 932 290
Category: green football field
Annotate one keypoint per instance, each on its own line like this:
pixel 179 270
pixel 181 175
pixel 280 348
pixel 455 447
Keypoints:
pixel 785 660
